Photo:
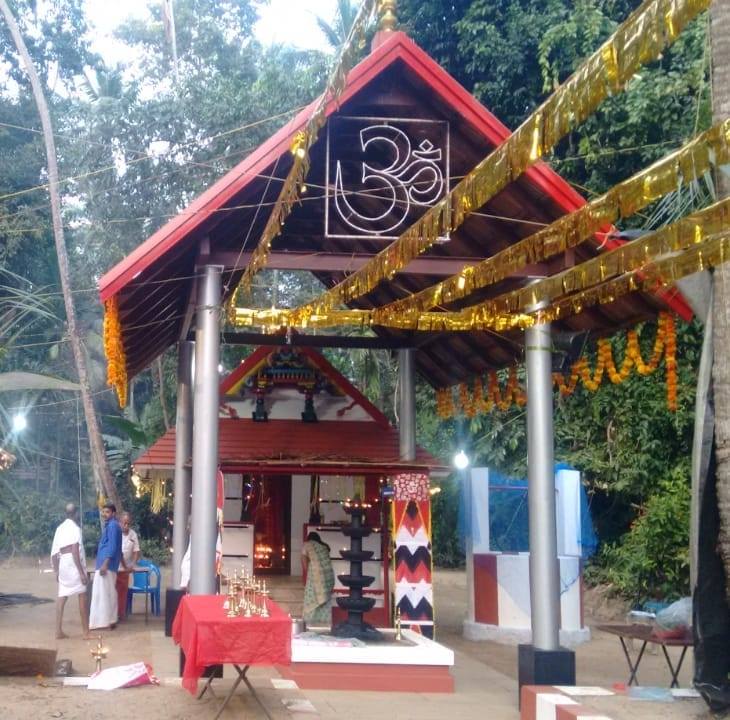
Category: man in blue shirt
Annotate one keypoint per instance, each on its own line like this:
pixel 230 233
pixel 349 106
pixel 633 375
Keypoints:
pixel 104 609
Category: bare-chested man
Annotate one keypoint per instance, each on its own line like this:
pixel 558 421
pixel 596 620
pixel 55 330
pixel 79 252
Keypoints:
pixel 69 563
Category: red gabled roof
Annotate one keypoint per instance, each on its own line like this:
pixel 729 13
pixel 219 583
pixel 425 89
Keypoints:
pixel 153 309
pixel 277 445
pixel 397 47
pixel 252 362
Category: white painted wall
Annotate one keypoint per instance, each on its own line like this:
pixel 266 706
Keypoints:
pixel 513 577
pixel 567 484
pixel 513 569
pixel 299 516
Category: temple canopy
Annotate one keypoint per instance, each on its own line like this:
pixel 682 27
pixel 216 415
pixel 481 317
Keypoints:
pixel 403 132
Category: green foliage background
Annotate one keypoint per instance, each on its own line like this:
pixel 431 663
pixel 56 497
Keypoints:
pixel 231 94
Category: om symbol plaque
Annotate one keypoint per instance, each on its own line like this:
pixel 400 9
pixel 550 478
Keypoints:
pixel 383 174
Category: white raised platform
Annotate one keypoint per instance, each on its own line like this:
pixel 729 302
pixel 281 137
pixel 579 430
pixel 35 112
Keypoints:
pixel 422 652
pixel 382 667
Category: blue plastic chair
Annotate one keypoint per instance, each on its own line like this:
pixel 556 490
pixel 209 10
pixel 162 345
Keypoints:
pixel 142 584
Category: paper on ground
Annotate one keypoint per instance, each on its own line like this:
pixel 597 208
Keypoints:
pixel 283 684
pixel 296 705
pixel 685 693
pixel 75 681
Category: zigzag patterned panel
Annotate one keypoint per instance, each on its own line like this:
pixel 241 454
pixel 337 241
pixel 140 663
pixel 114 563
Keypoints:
pixel 422 611
pixel 413 561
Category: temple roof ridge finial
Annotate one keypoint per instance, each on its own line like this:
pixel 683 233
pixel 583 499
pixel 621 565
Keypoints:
pixel 387 18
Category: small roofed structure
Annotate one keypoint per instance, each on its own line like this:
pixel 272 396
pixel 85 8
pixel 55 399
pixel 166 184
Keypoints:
pixel 297 440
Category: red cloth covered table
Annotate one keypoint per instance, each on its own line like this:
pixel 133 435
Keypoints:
pixel 208 637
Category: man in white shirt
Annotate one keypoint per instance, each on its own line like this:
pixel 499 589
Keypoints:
pixel 130 555
pixel 69 564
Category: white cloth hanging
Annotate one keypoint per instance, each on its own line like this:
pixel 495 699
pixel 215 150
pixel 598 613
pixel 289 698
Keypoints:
pixel 104 609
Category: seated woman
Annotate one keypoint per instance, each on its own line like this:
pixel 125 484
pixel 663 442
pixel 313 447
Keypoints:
pixel 320 580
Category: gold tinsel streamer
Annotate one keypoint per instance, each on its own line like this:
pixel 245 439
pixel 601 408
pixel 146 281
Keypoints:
pixel 706 152
pixel 302 143
pixel 632 256
pixel 116 359
pixel 665 345
pixel 157 495
pixel 565 293
pixel 651 277
pixel 640 39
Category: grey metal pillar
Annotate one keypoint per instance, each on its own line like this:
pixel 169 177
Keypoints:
pixel 183 453
pixel 407 405
pixel 544 569
pixel 205 433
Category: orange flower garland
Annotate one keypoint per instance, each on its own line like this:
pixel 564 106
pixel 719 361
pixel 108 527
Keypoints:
pixel 670 362
pixel 445 407
pixel 116 372
pixel 665 345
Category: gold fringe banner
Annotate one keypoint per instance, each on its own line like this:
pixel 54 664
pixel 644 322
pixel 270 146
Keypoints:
pixel 653 26
pixel 514 309
pixel 707 151
pixel 116 371
pixel 689 231
pixel 301 145
pixel 650 277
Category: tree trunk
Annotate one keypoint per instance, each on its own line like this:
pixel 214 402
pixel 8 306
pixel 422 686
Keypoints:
pixel 102 475
pixel 720 37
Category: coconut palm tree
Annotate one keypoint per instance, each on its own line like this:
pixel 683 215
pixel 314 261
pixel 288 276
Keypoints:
pixel 337 32
pixel 102 474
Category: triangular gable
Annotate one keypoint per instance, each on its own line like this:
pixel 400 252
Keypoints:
pixel 260 356
pixel 399 47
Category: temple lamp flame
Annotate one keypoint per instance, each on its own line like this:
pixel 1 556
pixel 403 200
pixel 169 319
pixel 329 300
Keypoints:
pixel 461 460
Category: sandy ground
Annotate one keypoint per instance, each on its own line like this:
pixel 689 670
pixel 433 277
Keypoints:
pixel 485 672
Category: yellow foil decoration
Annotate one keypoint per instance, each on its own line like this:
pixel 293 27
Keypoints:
pixel 706 152
pixel 300 146
pixel 602 279
pixel 634 43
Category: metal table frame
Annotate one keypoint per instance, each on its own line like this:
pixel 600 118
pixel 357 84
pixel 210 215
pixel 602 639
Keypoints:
pixel 241 677
pixel 632 632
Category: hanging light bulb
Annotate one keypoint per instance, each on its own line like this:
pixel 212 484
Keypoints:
pixel 461 460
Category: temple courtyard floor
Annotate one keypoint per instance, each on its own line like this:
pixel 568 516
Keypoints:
pixel 485 673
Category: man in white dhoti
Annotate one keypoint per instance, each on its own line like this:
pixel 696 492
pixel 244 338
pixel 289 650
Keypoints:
pixel 69 564
pixel 104 609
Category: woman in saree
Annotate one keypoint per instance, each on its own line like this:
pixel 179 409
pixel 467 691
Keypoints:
pixel 320 580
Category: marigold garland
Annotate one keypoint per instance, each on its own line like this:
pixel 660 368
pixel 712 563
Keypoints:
pixel 665 345
pixel 116 372
pixel 474 403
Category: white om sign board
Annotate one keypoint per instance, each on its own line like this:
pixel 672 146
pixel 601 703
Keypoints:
pixel 382 174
